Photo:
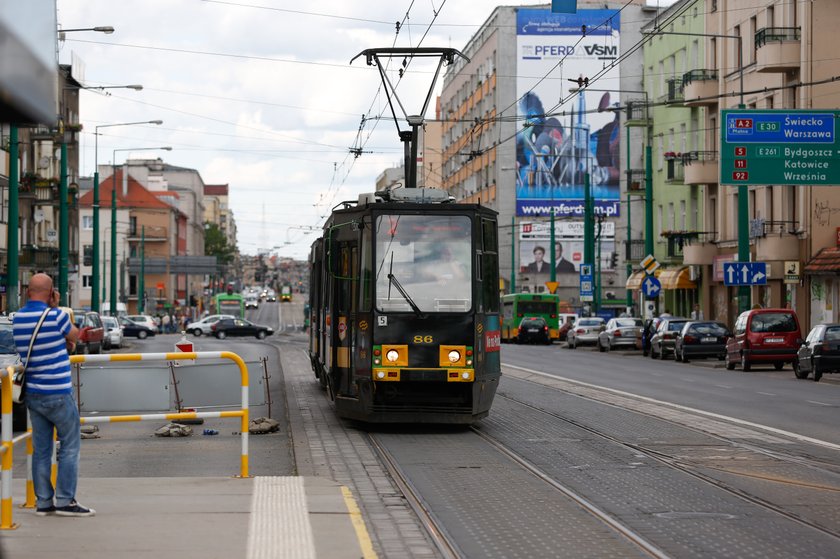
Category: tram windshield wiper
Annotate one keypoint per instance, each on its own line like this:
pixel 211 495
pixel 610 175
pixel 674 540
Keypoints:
pixel 392 279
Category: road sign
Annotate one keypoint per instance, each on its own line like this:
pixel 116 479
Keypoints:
pixel 551 286
pixel 184 345
pixel 587 290
pixel 650 264
pixel 651 287
pixel 745 273
pixel 792 271
pixel 794 147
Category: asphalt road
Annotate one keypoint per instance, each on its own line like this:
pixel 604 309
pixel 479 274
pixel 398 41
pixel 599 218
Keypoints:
pixel 765 396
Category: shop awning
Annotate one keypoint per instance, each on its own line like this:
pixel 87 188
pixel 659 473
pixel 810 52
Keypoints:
pixel 636 278
pixel 677 278
pixel 827 261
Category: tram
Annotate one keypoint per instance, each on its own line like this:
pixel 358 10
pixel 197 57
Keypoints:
pixel 404 308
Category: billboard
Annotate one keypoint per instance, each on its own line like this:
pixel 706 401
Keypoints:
pixel 557 145
pixel 535 247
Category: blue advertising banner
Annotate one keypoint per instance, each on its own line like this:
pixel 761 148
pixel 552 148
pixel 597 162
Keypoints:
pixel 557 145
pixel 564 6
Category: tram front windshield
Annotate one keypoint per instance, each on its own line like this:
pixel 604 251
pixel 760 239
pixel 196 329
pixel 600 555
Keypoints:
pixel 423 263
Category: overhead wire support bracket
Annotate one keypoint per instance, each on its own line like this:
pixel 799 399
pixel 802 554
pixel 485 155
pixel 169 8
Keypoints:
pixel 409 137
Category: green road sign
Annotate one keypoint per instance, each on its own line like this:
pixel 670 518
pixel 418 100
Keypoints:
pixel 766 146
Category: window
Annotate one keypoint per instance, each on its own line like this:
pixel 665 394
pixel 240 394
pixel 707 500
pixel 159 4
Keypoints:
pixel 753 29
pixel 713 53
pixel 683 216
pixel 659 221
pixel 753 209
pixel 712 217
pixel 87 222
pixel 672 220
pixel 87 281
pixel 87 258
pixel 132 226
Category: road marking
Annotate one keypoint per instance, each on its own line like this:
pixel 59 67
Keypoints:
pixel 819 403
pixel 279 522
pixel 767 394
pixel 723 386
pixel 735 420
pixel 358 524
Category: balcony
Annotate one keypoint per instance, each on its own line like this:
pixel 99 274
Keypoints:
pixel 700 88
pixel 638 113
pixel 149 234
pixel 775 240
pixel 44 258
pixel 777 49
pixel 635 181
pixel 674 95
pixel 700 167
pixel 634 251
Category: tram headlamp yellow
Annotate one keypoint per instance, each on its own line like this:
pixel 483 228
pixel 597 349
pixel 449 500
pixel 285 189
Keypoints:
pixel 454 356
pixel 469 362
pixel 393 355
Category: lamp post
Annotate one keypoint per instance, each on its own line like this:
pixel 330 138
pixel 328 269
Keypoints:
pixel 744 293
pixel 113 299
pixel 94 284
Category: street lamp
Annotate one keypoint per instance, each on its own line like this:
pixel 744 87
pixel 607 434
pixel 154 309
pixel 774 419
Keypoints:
pixel 107 29
pixel 113 299
pixel 94 284
pixel 743 189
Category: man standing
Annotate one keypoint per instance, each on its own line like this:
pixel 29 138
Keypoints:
pixel 697 313
pixel 49 397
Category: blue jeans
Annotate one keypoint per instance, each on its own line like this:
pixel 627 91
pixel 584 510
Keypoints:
pixel 46 412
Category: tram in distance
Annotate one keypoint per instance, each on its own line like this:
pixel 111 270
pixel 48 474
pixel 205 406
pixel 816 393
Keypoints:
pixel 404 308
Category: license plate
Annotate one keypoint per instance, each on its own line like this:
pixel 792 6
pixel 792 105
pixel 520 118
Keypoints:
pixel 708 340
pixel 774 340
pixel 533 329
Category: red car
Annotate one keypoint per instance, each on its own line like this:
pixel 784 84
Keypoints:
pixel 91 331
pixel 764 336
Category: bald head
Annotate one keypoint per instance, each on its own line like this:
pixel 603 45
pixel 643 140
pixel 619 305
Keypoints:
pixel 40 288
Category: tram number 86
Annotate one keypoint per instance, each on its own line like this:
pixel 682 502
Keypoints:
pixel 424 339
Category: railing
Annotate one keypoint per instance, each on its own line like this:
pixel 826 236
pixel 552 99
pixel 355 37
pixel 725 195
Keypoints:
pixel 699 75
pixel 8 444
pixel 675 246
pixel 673 172
pixel 675 90
pixel 152 233
pixel 776 35
pixel 638 111
pixel 634 250
pixel 762 227
pixel 42 257
pixel 690 156
pixel 635 180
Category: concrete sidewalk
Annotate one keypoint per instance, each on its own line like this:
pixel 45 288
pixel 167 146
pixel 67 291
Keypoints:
pixel 195 517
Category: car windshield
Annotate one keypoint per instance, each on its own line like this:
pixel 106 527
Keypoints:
pixel 676 326
pixel 423 263
pixel 7 339
pixel 832 334
pixel 534 320
pixel 709 329
pixel 773 322
pixel 625 322
pixel 588 322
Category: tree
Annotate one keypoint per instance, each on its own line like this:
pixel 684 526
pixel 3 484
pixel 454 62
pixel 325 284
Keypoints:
pixel 215 244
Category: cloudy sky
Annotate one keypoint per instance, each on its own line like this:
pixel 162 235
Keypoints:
pixel 259 94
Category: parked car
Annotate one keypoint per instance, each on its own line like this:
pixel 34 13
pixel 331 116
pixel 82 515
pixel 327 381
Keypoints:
pixel 820 353
pixel 9 356
pixel 701 339
pixel 533 329
pixel 586 331
pixel 203 326
pixel 663 339
pixel 91 331
pixel 145 320
pixel 567 322
pixel 113 332
pixel 239 327
pixel 619 332
pixel 132 329
pixel 764 336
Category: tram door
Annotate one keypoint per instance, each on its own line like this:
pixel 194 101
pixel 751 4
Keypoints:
pixel 345 304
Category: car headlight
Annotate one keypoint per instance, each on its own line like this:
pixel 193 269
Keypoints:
pixel 454 356
pixel 393 355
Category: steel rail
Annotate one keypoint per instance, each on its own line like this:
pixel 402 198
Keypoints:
pixel 441 539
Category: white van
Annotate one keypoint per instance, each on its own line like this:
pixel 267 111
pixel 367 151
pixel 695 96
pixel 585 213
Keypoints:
pixel 105 309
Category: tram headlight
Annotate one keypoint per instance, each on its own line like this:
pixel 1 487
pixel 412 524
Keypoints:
pixel 380 374
pixel 454 356
pixel 465 375
pixel 393 355
pixel 469 362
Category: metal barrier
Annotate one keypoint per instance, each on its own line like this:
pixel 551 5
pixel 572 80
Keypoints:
pixel 242 413
pixel 7 451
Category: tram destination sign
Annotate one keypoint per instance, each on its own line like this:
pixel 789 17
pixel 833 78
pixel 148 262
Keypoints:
pixel 792 147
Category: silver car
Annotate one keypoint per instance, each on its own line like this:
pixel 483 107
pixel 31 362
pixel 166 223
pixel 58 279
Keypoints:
pixel 203 326
pixel 113 332
pixel 586 331
pixel 620 332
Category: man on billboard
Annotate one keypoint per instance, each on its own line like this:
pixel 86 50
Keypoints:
pixel 539 265
pixel 562 266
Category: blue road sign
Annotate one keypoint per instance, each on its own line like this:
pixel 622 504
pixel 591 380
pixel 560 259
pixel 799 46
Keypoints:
pixel 651 287
pixel 745 273
pixel 587 288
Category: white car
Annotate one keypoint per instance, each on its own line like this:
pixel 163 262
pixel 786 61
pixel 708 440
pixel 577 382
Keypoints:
pixel 113 332
pixel 203 326
pixel 145 320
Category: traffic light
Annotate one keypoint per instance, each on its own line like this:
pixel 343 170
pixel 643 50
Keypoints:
pixel 613 260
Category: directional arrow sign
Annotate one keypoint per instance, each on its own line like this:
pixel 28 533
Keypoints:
pixel 651 287
pixel 745 273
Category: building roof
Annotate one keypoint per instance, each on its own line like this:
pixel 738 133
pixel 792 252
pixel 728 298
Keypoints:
pixel 827 261
pixel 215 190
pixel 136 197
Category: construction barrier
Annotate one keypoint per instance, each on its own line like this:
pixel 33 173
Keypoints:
pixel 191 356
pixel 7 450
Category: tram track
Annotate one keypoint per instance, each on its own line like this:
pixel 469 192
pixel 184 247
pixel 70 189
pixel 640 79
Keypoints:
pixel 693 469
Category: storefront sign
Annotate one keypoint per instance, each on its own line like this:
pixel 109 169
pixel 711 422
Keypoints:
pixel 792 271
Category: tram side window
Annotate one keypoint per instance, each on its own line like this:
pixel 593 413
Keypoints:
pixel 366 274
pixel 490 266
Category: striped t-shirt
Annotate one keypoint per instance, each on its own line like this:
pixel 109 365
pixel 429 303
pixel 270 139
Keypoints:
pixel 48 371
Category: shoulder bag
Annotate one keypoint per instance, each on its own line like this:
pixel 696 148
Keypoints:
pixel 19 377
